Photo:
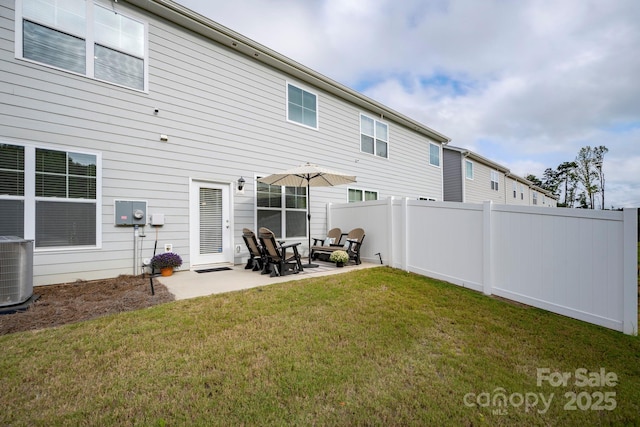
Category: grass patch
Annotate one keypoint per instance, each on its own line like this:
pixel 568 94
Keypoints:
pixel 375 347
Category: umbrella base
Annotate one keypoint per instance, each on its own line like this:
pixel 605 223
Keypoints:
pixel 310 265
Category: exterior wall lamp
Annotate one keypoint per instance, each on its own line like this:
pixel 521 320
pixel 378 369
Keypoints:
pixel 241 182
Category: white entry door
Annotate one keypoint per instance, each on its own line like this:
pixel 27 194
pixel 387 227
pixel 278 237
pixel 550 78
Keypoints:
pixel 210 224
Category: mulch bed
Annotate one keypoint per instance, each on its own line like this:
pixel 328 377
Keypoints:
pixel 84 300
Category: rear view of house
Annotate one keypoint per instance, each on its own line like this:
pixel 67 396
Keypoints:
pixel 472 178
pixel 126 122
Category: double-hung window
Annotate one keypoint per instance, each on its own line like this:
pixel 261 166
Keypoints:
pixel 521 191
pixel 50 196
pixel 12 193
pixel 283 210
pixel 357 195
pixel 85 38
pixel 515 189
pixel 494 180
pixel 374 137
pixel 468 169
pixel 434 154
pixel 302 106
pixel 535 198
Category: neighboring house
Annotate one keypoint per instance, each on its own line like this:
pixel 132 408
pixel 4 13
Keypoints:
pixel 109 107
pixel 472 178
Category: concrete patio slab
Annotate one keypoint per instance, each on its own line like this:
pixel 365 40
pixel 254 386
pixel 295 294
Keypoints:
pixel 189 284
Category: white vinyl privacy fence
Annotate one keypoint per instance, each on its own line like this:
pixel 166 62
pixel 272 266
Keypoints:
pixel 578 263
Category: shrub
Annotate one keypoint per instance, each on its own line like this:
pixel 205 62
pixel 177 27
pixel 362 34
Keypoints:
pixel 339 256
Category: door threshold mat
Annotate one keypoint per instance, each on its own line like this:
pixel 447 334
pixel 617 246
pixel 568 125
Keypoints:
pixel 210 270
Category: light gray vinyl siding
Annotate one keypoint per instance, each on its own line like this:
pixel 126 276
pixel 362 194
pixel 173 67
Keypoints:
pixel 225 117
pixel 524 201
pixel 452 175
pixel 479 189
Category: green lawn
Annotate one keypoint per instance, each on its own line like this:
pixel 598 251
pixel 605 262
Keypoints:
pixel 370 347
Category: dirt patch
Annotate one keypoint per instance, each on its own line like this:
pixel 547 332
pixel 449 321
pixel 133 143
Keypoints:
pixel 84 300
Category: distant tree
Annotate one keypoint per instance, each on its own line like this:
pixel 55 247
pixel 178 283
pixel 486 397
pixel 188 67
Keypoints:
pixel 566 175
pixel 598 155
pixel 582 201
pixel 534 180
pixel 551 181
pixel 587 174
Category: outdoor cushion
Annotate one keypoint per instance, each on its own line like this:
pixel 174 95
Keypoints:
pixel 329 241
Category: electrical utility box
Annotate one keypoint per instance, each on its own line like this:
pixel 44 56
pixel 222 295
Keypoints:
pixel 130 212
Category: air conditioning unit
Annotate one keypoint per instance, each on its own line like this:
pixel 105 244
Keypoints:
pixel 16 270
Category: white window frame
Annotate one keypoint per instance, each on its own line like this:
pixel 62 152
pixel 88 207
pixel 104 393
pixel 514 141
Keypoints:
pixel 521 191
pixel 375 136
pixel 89 42
pixel 282 209
pixel 515 189
pixel 535 197
pixel 431 145
pixel 303 89
pixel 495 180
pixel 466 175
pixel 30 197
pixel 363 194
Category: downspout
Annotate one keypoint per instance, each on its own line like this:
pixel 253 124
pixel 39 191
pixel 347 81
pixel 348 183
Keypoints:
pixel 463 166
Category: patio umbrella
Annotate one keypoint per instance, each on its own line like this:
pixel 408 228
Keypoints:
pixel 308 175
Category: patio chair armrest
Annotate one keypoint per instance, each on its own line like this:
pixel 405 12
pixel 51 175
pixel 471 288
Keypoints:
pixel 316 240
pixel 290 245
pixel 339 242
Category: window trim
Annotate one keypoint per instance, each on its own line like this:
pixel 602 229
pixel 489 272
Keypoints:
pixel 364 191
pixel 30 197
pixel 282 209
pixel 375 138
pixel 431 144
pixel 286 106
pixel 495 182
pixel 90 42
pixel 467 161
pixel 534 196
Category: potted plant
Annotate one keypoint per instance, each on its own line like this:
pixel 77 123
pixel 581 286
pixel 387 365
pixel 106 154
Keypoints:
pixel 339 257
pixel 166 262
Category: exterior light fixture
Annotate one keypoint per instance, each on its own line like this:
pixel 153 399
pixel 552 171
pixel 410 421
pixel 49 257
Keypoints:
pixel 241 182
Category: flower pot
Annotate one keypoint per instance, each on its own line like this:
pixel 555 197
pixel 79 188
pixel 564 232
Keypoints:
pixel 166 271
pixel 339 264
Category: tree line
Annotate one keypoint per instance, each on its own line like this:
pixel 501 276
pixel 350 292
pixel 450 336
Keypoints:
pixel 577 184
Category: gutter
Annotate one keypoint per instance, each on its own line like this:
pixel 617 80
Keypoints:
pixel 184 17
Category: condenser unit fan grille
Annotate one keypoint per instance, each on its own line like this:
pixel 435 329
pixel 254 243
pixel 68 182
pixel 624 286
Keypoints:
pixel 16 270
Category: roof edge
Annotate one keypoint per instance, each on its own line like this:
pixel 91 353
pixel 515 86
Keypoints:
pixel 202 25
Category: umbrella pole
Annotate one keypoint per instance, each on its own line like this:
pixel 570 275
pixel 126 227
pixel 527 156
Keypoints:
pixel 309 265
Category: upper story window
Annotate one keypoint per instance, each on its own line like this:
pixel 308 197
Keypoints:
pixel 357 195
pixel 515 189
pixel 434 154
pixel 468 169
pixel 521 191
pixel 494 180
pixel 302 106
pixel 84 38
pixel 374 137
pixel 535 198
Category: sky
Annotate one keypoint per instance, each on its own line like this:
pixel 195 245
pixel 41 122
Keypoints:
pixel 525 83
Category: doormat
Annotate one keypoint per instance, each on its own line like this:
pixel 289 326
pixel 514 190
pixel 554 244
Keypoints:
pixel 210 270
